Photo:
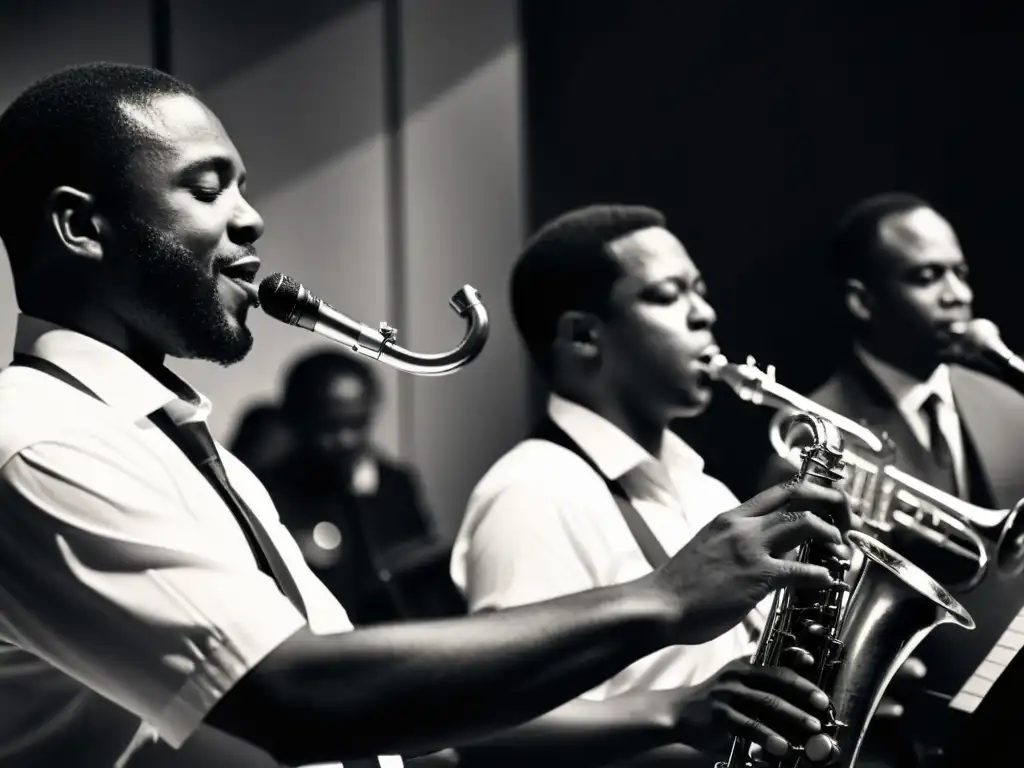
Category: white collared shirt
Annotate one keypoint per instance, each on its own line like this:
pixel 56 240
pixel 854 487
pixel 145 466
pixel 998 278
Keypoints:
pixel 542 524
pixel 120 566
pixel 910 395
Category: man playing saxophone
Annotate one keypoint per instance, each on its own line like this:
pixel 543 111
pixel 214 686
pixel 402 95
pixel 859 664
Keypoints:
pixel 147 586
pixel 615 314
pixel 904 281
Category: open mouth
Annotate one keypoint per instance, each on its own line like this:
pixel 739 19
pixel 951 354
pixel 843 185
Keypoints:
pixel 243 274
pixel 245 269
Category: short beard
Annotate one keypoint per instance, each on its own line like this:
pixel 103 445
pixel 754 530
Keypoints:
pixel 175 303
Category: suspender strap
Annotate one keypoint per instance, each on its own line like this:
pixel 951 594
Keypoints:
pixel 649 545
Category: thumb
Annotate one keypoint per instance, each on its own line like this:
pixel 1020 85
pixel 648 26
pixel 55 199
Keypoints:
pixel 800 575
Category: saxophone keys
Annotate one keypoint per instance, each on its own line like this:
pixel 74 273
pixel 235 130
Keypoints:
pixel 796 657
pixel 822 749
pixel 840 585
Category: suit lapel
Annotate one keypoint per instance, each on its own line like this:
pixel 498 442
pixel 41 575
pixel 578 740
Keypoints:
pixel 992 427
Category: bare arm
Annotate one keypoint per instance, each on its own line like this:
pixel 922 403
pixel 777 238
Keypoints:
pixel 415 687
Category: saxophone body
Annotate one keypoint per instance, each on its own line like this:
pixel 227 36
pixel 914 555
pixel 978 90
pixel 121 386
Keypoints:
pixel 849 642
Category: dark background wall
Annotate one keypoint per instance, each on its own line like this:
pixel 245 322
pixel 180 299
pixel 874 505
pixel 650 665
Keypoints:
pixel 753 125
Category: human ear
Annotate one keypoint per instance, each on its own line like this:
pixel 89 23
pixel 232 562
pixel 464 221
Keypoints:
pixel 75 221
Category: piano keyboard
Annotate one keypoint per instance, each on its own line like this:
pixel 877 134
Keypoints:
pixel 979 683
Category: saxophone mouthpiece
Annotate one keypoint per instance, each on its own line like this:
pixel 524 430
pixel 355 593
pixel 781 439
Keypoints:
pixel 711 361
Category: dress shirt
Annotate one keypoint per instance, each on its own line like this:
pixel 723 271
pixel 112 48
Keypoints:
pixel 120 566
pixel 910 395
pixel 542 524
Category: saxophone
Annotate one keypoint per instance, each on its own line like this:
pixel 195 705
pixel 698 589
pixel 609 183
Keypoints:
pixel 848 642
pixel 287 300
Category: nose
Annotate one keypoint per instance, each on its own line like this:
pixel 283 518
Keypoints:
pixel 702 314
pixel 247 224
pixel 956 291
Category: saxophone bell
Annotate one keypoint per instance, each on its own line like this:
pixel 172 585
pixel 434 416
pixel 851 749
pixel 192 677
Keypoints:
pixel 290 302
pixel 857 640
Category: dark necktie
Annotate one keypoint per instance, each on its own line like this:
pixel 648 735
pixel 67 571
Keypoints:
pixel 939 446
pixel 195 440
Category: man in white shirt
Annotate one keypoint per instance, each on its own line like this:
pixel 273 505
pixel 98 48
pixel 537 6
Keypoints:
pixel 614 312
pixel 143 563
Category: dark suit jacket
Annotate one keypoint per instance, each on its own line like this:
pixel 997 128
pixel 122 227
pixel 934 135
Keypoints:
pixel 992 419
pixel 390 564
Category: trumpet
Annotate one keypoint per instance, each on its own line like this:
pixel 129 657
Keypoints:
pixel 291 302
pixel 896 505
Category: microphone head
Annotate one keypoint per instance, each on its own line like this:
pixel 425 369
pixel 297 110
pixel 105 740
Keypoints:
pixel 979 332
pixel 279 297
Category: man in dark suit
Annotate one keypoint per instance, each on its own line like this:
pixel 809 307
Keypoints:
pixel 904 282
pixel 359 518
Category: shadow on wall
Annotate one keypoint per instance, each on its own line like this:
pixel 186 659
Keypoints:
pixel 219 51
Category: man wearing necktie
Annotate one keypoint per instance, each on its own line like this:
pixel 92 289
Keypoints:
pixel 901 274
pixel 153 609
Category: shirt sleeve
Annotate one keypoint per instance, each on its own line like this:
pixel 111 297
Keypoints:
pixel 524 548
pixel 109 575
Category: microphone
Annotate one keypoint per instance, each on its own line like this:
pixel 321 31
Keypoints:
pixel 290 302
pixel 979 340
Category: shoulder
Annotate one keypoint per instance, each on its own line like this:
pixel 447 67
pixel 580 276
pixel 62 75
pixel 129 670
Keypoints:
pixel 538 484
pixel 36 410
pixel 966 379
pixel 538 467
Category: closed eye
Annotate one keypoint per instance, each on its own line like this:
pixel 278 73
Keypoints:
pixel 206 194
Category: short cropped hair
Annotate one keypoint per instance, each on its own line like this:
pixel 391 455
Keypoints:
pixel 310 377
pixel 857 243
pixel 568 266
pixel 70 129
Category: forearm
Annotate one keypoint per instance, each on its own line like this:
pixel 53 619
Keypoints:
pixel 582 733
pixel 415 687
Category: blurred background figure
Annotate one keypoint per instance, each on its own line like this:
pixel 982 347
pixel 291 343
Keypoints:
pixel 359 517
pixel 262 438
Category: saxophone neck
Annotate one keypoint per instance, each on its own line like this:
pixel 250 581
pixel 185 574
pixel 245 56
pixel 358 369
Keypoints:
pixel 760 388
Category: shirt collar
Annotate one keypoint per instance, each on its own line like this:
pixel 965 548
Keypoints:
pixel 611 449
pixel 118 380
pixel 908 392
